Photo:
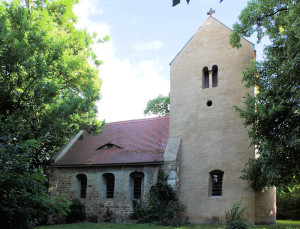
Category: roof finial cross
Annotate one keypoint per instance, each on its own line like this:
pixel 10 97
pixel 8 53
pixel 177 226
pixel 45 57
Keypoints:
pixel 211 12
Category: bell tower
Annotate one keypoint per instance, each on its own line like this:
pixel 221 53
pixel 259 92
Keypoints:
pixel 214 145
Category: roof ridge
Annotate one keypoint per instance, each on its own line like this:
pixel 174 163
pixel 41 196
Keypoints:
pixel 137 120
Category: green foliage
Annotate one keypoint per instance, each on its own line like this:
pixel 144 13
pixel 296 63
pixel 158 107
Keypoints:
pixel 236 225
pixel 163 205
pixel 92 218
pixel 176 2
pixel 158 106
pixel 272 116
pixel 109 215
pixel 288 202
pixel 48 92
pixel 77 212
pixel 234 216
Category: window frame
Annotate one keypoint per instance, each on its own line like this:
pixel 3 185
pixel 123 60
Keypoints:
pixel 136 185
pixel 216 187
pixel 82 185
pixel 109 182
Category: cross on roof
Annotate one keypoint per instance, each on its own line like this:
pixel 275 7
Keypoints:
pixel 211 12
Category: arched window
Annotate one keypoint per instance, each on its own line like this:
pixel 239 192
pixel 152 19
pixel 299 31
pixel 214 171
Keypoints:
pixel 82 185
pixel 216 182
pixel 205 78
pixel 109 182
pixel 215 76
pixel 136 184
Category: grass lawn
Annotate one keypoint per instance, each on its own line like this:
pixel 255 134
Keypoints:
pixel 280 224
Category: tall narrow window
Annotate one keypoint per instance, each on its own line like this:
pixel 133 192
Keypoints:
pixel 216 182
pixel 109 181
pixel 205 78
pixel 136 182
pixel 215 76
pixel 82 183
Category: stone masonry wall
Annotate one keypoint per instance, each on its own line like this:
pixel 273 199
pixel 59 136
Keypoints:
pixel 63 180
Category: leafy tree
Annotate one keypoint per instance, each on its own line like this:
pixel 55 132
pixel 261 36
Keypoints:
pixel 288 202
pixel 158 106
pixel 272 115
pixel 47 86
pixel 48 90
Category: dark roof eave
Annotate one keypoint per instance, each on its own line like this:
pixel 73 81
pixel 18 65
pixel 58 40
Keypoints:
pixel 106 165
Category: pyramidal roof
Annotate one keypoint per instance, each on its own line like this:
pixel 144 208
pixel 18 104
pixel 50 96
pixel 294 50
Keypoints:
pixel 209 20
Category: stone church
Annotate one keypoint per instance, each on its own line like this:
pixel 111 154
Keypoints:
pixel 202 144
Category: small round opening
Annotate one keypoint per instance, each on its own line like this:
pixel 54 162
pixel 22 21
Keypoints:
pixel 209 103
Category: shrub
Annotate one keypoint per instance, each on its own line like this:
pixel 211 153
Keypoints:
pixel 92 219
pixel 24 201
pixel 234 216
pixel 163 206
pixel 140 213
pixel 109 215
pixel 288 202
pixel 77 212
pixel 236 225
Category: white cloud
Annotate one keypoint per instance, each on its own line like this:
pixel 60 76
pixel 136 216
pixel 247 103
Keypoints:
pixel 151 45
pixel 126 86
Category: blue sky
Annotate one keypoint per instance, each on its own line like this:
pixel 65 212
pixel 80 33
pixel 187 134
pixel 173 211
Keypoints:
pixel 145 37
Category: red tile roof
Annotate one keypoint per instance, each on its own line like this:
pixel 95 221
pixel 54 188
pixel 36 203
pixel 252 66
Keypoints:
pixel 140 141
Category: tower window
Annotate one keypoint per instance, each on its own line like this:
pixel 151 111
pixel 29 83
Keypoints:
pixel 205 78
pixel 109 181
pixel 136 181
pixel 216 182
pixel 82 183
pixel 215 76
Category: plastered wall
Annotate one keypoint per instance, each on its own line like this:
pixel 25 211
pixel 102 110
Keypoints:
pixel 212 137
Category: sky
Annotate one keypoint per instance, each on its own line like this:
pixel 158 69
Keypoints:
pixel 145 36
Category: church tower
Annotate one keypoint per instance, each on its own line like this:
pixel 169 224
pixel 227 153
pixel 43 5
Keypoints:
pixel 214 145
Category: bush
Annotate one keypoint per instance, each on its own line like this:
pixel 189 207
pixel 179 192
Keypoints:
pixel 234 216
pixel 92 219
pixel 109 215
pixel 77 212
pixel 288 203
pixel 24 201
pixel 236 225
pixel 163 206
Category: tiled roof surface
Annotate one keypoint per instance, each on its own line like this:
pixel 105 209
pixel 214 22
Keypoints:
pixel 140 141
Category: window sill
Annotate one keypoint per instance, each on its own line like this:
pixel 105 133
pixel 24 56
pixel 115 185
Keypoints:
pixel 216 197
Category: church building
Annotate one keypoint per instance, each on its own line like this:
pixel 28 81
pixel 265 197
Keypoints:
pixel 202 144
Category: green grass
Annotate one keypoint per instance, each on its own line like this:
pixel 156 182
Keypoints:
pixel 281 224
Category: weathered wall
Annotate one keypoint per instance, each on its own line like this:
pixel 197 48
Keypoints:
pixel 212 137
pixel 63 180
pixel 265 206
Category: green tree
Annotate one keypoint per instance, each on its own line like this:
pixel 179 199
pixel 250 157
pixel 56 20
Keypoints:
pixel 272 115
pixel 288 202
pixel 48 90
pixel 158 106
